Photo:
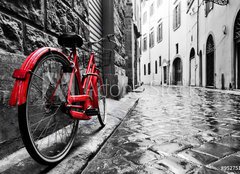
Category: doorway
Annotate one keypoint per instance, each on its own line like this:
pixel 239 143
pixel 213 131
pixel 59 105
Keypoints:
pixel 192 68
pixel 237 52
pixel 210 54
pixel 177 71
pixel 165 74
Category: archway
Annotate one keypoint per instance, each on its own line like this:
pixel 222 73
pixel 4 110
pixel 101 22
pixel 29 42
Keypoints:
pixel 177 71
pixel 192 71
pixel 237 52
pixel 210 54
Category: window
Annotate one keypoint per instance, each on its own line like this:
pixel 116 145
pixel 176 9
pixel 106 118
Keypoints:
pixel 177 48
pixel 152 9
pixel 145 71
pixel 151 39
pixel 177 17
pixel 159 2
pixel 149 68
pixel 208 7
pixel 159 33
pixel 160 60
pixel 144 17
pixel 145 43
pixel 156 69
pixel 189 4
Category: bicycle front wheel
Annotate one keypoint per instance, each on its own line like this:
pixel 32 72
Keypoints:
pixel 101 103
pixel 47 131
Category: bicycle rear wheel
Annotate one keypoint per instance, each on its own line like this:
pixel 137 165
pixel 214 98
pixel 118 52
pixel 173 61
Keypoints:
pixel 47 131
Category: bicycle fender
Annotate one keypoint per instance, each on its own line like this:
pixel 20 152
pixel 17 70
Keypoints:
pixel 22 75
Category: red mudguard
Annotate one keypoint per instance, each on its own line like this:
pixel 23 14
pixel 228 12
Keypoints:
pixel 22 75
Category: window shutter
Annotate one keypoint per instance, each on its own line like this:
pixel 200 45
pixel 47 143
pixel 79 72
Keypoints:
pixel 153 38
pixel 161 31
pixel 95 26
pixel 174 18
pixel 179 14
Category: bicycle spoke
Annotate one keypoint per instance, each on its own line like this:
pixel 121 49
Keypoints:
pixel 38 138
pixel 38 123
pixel 42 79
pixel 40 91
pixel 51 116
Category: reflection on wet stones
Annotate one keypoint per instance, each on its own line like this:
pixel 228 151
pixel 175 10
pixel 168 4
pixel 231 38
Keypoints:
pixel 197 157
pixel 176 165
pixel 231 141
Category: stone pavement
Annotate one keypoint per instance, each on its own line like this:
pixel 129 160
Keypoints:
pixel 175 130
pixel 89 140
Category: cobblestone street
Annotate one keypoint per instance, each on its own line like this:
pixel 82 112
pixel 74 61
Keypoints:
pixel 175 130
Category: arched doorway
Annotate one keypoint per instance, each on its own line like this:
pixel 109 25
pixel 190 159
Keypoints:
pixel 237 52
pixel 177 71
pixel 192 68
pixel 210 54
pixel 200 68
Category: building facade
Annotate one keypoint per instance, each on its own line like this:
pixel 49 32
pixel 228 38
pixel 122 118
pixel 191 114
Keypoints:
pixel 155 42
pixel 177 31
pixel 133 31
pixel 163 42
pixel 200 43
pixel 213 44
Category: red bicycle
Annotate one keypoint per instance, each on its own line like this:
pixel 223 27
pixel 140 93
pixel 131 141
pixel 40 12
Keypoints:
pixel 52 96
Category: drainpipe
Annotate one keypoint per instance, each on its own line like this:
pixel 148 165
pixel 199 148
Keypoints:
pixel 169 44
pixel 133 54
pixel 198 28
pixel 197 43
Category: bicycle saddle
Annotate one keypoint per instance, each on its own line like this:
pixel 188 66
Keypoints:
pixel 70 40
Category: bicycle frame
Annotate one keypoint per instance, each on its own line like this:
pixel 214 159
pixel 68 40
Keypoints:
pixel 23 75
pixel 88 83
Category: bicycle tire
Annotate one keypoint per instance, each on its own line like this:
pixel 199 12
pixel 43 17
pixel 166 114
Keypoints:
pixel 41 119
pixel 102 116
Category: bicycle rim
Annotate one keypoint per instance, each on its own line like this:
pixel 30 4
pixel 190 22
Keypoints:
pixel 48 133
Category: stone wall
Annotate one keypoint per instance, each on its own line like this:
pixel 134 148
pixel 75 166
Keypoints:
pixel 114 14
pixel 24 27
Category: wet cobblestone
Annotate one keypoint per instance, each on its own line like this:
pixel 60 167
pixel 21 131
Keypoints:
pixel 175 130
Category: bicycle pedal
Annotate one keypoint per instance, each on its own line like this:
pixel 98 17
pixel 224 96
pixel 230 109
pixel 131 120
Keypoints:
pixel 91 112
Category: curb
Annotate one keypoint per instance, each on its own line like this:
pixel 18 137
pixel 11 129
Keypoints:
pixel 89 141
